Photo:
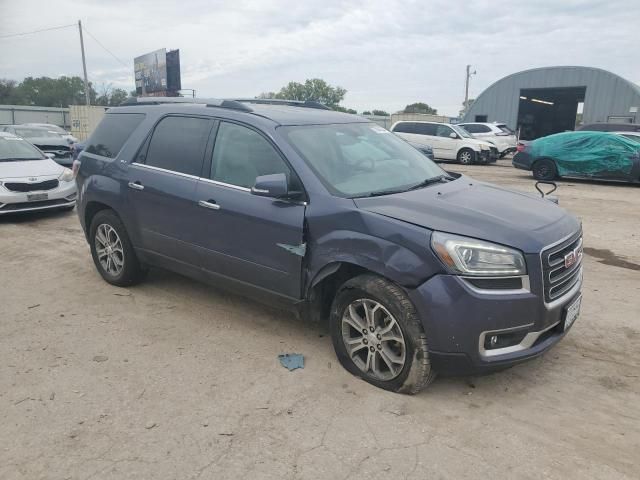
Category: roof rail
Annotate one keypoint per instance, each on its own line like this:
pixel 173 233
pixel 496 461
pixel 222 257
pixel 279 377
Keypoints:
pixel 290 103
pixel 209 102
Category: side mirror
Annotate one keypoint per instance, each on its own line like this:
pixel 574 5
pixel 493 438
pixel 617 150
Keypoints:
pixel 272 186
pixel 453 135
pixel 50 155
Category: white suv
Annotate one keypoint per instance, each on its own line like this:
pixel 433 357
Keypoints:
pixel 449 142
pixel 497 133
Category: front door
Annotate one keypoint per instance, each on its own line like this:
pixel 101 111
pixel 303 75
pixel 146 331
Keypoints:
pixel 448 145
pixel 253 240
pixel 162 186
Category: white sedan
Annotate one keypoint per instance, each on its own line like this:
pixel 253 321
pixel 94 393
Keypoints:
pixel 30 180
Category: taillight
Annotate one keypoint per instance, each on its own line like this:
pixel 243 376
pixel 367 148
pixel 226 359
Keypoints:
pixel 75 168
pixel 520 147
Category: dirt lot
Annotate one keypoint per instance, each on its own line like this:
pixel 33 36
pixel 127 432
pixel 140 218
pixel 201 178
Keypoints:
pixel 176 380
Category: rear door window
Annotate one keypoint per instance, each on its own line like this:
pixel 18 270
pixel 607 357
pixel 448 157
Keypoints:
pixel 426 129
pixel 112 132
pixel 178 144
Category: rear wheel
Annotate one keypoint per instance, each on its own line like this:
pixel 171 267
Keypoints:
pixel 378 336
pixel 466 156
pixel 544 169
pixel 112 251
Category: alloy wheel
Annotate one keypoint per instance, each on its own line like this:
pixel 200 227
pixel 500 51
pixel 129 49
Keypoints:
pixel 373 339
pixel 109 249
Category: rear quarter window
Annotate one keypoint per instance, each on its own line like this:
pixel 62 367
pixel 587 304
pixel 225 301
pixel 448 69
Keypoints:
pixel 112 132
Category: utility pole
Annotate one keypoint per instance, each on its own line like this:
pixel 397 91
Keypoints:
pixel 84 66
pixel 466 88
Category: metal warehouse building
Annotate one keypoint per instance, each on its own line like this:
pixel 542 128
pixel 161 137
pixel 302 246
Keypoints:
pixel 547 100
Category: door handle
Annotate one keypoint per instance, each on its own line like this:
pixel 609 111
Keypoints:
pixel 136 185
pixel 209 204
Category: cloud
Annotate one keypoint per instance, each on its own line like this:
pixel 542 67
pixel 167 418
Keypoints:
pixel 386 54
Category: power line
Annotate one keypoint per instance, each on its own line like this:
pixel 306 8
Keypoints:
pixel 105 48
pixel 36 31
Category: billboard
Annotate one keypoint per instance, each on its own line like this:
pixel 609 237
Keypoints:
pixel 150 72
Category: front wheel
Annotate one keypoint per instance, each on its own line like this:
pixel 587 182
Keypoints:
pixel 544 169
pixel 378 336
pixel 466 156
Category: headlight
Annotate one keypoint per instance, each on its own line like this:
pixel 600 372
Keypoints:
pixel 66 175
pixel 468 256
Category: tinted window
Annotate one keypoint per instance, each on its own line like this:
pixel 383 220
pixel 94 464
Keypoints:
pixel 425 128
pixel 110 135
pixel 505 129
pixel 178 144
pixel 241 154
pixel 404 127
pixel 474 128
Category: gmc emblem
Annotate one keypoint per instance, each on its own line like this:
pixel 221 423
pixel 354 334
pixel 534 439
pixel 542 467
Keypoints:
pixel 573 257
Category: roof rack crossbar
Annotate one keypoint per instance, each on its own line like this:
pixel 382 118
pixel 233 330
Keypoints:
pixel 278 101
pixel 209 102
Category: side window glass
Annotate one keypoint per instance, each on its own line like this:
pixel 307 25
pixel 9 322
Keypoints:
pixel 444 131
pixel 241 155
pixel 112 132
pixel 178 144
pixel 425 129
pixel 404 128
pixel 471 128
pixel 483 129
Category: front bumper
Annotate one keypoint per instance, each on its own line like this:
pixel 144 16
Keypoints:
pixel 487 156
pixel 60 197
pixel 458 317
pixel 522 161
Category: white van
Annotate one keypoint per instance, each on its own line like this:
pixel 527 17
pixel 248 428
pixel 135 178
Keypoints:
pixel 497 133
pixel 449 142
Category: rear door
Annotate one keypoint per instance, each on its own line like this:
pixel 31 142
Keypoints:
pixel 254 240
pixel 162 186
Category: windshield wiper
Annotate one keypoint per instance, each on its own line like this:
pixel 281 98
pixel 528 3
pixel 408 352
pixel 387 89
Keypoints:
pixel 424 183
pixel 430 181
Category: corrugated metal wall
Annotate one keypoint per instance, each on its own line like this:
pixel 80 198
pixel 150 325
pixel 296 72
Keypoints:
pixel 17 114
pixel 607 94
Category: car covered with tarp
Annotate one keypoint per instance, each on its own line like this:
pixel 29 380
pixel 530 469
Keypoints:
pixel 599 155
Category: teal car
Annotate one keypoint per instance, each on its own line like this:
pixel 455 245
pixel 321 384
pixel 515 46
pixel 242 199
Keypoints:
pixel 596 155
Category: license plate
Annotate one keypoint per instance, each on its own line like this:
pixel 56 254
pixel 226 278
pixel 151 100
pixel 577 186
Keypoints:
pixel 36 197
pixel 573 311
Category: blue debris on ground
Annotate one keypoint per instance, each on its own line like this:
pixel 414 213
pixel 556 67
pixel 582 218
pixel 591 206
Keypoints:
pixel 291 360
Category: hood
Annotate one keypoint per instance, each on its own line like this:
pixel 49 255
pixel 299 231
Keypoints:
pixel 481 143
pixel 29 168
pixel 48 141
pixel 479 210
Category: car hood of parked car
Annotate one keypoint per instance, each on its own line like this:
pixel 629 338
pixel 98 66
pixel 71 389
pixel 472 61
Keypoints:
pixel 49 141
pixel 29 168
pixel 479 210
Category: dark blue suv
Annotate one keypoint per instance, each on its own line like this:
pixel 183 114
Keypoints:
pixel 419 271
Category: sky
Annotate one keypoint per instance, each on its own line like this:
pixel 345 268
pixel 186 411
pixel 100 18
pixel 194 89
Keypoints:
pixel 386 54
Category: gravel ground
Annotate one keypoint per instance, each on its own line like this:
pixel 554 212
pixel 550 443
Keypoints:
pixel 175 380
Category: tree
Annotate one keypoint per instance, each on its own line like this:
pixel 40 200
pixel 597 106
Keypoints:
pixel 314 89
pixel 111 97
pixel 366 112
pixel 420 107
pixel 10 93
pixel 54 92
pixel 380 113
pixel 466 107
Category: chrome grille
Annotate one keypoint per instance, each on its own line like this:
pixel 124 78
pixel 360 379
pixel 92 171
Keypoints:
pixel 562 267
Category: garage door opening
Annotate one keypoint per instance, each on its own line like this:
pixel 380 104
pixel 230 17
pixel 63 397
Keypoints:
pixel 544 111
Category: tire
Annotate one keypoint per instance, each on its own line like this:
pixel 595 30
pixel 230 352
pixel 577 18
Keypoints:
pixel 123 268
pixel 411 371
pixel 544 169
pixel 466 156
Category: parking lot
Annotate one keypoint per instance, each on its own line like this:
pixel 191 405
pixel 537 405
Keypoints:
pixel 174 379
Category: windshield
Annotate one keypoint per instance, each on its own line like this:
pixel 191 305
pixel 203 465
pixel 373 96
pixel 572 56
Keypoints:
pixel 461 131
pixel 358 159
pixel 14 148
pixel 35 132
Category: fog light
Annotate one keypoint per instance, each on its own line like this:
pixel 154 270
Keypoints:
pixel 502 340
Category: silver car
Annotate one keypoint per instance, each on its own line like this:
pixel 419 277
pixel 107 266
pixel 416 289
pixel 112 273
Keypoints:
pixel 30 180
